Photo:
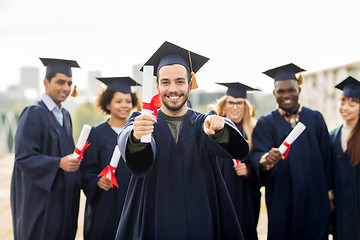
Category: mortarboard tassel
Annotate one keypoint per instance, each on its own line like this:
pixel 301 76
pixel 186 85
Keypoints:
pixel 74 92
pixel 193 78
pixel 300 79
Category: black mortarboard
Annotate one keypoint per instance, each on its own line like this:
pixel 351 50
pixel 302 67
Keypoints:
pixel 350 87
pixel 119 84
pixel 237 90
pixel 54 65
pixel 285 72
pixel 169 54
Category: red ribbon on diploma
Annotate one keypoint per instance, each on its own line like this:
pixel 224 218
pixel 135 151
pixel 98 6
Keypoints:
pixel 153 105
pixel 104 173
pixel 81 152
pixel 286 153
pixel 238 162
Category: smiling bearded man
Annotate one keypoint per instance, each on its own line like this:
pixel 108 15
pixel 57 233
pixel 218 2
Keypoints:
pixel 177 191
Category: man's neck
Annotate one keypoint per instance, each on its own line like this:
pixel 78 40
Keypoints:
pixel 49 102
pixel 293 111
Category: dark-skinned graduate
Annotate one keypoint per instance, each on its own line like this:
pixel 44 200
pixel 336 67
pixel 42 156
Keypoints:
pixel 105 199
pixel 46 181
pixel 296 186
pixel 177 190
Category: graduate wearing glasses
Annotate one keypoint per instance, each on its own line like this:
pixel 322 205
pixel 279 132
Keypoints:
pixel 240 179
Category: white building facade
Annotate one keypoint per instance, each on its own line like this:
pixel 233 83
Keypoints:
pixel 319 92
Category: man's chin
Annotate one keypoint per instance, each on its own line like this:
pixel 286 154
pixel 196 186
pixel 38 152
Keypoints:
pixel 173 107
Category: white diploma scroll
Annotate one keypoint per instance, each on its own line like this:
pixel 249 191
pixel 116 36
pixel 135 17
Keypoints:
pixel 114 160
pixel 293 135
pixel 147 94
pixel 82 141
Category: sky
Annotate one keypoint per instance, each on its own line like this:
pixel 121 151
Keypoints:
pixel 241 38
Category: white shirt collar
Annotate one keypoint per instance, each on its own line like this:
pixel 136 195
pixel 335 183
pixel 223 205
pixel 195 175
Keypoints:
pixel 49 103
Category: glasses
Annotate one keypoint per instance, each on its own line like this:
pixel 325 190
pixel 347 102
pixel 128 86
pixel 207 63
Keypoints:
pixel 237 104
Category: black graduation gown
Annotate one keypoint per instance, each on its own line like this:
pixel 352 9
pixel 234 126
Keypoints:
pixel 44 198
pixel 296 189
pixel 177 191
pixel 245 195
pixel 346 185
pixel 103 208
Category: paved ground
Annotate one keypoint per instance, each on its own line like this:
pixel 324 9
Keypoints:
pixel 6 165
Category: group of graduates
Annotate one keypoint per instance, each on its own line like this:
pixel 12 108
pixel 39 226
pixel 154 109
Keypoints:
pixel 200 174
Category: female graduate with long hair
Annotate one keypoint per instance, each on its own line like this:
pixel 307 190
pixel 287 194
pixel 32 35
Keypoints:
pixel 104 203
pixel 240 181
pixel 345 163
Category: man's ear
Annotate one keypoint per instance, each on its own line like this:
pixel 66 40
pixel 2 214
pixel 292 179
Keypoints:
pixel 157 87
pixel 299 89
pixel 46 83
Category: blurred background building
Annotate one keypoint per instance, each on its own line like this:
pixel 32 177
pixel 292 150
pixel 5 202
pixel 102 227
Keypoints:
pixel 318 90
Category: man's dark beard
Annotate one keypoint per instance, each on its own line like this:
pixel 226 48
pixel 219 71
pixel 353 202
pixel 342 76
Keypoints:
pixel 175 109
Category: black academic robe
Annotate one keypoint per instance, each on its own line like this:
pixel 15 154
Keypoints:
pixel 296 189
pixel 245 195
pixel 346 185
pixel 177 191
pixel 103 208
pixel 44 198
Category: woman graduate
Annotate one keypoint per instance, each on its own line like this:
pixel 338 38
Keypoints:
pixel 240 181
pixel 104 204
pixel 345 163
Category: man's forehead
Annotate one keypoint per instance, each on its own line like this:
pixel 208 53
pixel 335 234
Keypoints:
pixel 286 83
pixel 175 69
pixel 61 76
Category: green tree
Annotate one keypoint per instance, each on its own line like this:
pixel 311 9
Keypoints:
pixel 85 114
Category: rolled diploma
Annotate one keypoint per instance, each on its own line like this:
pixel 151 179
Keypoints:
pixel 82 138
pixel 114 160
pixel 237 162
pixel 293 135
pixel 147 94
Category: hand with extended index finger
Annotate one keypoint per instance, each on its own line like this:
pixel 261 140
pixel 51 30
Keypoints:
pixel 143 125
pixel 213 123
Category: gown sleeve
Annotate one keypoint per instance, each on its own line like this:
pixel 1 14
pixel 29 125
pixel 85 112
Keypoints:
pixel 230 144
pixel 30 145
pixel 139 162
pixel 325 147
pixel 262 143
